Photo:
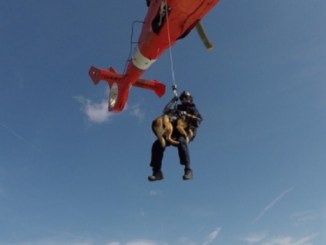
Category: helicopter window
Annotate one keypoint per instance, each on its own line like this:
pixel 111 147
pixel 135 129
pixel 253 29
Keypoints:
pixel 160 17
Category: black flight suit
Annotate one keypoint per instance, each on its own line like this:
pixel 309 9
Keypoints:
pixel 183 151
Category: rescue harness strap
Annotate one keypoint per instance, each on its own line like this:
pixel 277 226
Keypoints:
pixel 174 86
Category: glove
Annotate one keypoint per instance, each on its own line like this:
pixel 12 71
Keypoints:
pixel 183 113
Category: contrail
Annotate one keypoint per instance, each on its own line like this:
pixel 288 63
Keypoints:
pixel 18 136
pixel 269 206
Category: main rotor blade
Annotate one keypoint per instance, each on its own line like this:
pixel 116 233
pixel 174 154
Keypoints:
pixel 203 36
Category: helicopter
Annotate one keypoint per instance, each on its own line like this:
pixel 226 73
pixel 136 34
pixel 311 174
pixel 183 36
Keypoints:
pixel 166 22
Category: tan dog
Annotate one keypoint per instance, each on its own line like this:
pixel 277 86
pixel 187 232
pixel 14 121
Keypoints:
pixel 163 128
pixel 182 125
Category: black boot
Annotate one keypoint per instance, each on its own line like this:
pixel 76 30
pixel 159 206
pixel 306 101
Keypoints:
pixel 157 175
pixel 188 174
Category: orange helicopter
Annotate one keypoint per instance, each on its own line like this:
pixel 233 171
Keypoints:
pixel 166 22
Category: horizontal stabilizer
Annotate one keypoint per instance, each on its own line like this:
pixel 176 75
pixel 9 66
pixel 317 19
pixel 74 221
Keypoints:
pixel 109 75
pixel 119 86
pixel 156 86
pixel 112 76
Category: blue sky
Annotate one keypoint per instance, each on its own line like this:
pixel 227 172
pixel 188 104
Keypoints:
pixel 73 174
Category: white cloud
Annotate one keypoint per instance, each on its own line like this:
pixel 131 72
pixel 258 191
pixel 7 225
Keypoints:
pixel 95 112
pixel 287 240
pixel 307 217
pixel 154 193
pixel 59 242
pixel 262 239
pixel 212 236
pixel 142 242
pixel 255 238
pixel 186 241
pixel 136 111
pixel 50 242
pixel 113 243
pixel 98 112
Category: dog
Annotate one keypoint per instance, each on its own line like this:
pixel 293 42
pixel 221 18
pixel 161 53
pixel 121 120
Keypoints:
pixel 163 129
pixel 184 127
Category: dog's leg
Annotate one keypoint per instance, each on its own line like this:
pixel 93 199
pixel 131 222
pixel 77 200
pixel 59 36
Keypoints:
pixel 190 134
pixel 158 129
pixel 181 125
pixel 169 130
